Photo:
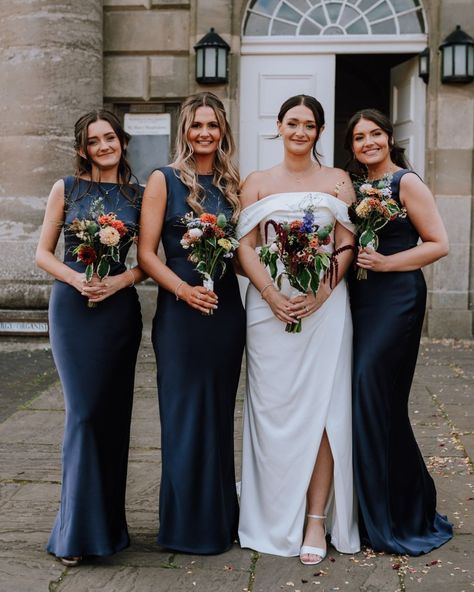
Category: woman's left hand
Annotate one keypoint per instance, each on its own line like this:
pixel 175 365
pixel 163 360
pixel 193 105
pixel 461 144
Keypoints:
pixel 97 290
pixel 304 306
pixel 368 258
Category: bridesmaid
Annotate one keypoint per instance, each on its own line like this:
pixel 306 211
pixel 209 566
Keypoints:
pixel 95 349
pixel 397 496
pixel 198 356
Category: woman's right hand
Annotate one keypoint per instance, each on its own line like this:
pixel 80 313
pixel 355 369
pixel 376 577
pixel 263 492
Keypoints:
pixel 279 305
pixel 77 280
pixel 198 297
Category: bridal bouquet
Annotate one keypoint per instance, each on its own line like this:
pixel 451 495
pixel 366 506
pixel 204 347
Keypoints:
pixel 100 235
pixel 373 208
pixel 211 241
pixel 299 245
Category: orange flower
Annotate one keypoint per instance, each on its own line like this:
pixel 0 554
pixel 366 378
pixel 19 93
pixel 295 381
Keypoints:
pixel 119 227
pixel 296 225
pixel 210 218
pixel 106 219
pixel 314 243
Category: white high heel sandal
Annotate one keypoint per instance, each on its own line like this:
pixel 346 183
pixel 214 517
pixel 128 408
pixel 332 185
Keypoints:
pixel 308 550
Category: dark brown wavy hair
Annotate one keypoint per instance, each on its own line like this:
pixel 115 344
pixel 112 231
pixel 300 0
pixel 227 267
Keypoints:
pixel 314 106
pixel 84 162
pixel 397 152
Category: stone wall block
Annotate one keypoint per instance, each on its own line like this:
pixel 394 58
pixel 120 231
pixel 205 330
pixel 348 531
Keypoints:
pixel 43 161
pixel 48 110
pixel 174 3
pixel 455 211
pixel 452 272
pixel 453 172
pixel 126 77
pixel 20 217
pixel 127 3
pixel 452 323
pixel 141 30
pixel 456 119
pixel 215 13
pixel 169 76
pixel 455 12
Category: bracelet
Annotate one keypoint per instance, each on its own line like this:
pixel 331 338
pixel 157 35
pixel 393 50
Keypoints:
pixel 133 278
pixel 177 288
pixel 264 288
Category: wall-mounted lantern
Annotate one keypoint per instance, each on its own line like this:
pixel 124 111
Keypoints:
pixel 212 55
pixel 457 57
pixel 424 65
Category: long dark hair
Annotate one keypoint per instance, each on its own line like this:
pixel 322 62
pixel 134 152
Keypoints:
pixel 83 161
pixel 314 106
pixel 397 152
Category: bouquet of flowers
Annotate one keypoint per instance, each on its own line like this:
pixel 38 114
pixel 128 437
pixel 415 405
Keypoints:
pixel 100 235
pixel 211 241
pixel 373 208
pixel 299 245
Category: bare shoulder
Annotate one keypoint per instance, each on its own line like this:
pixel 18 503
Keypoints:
pixel 341 184
pixel 411 180
pixel 412 189
pixel 56 194
pixel 255 186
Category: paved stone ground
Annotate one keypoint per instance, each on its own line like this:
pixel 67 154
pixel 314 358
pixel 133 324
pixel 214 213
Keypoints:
pixel 30 440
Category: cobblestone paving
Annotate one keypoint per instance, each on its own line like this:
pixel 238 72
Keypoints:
pixel 30 438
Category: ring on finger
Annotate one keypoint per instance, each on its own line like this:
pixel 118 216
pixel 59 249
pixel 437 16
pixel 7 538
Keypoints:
pixel 306 309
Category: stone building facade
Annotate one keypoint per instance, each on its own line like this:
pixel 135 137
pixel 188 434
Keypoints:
pixel 60 58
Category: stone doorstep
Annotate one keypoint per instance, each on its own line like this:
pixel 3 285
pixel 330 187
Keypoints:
pixel 24 323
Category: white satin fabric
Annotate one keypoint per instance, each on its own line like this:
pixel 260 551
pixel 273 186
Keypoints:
pixel 297 386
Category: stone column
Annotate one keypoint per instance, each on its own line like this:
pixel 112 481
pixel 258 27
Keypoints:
pixel 51 73
pixel 450 143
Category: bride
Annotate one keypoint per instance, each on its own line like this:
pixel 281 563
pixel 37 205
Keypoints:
pixel 297 455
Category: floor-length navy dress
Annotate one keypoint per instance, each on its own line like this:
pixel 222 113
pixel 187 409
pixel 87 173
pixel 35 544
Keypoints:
pixel 198 360
pixel 397 496
pixel 95 351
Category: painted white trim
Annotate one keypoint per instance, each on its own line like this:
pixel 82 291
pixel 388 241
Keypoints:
pixel 334 44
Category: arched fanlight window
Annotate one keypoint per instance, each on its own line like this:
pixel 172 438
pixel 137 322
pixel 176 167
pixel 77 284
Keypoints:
pixel 333 17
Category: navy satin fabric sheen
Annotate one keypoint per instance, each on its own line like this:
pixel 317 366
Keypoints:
pixel 198 360
pixel 95 351
pixel 397 496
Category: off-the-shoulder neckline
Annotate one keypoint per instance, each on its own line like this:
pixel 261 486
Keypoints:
pixel 272 195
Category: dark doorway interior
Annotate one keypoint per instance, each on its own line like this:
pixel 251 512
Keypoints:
pixel 362 81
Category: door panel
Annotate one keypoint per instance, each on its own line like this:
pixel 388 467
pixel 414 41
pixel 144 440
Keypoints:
pixel 266 82
pixel 407 108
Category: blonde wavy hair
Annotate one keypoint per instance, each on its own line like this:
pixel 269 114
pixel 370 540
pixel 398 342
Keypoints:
pixel 226 175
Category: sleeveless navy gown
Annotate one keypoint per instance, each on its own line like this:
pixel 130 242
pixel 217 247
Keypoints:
pixel 198 361
pixel 397 496
pixel 95 351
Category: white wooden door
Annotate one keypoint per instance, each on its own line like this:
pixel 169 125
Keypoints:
pixel 408 111
pixel 266 81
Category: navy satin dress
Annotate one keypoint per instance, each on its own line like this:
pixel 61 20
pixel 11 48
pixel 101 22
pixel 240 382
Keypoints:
pixel 198 361
pixel 397 496
pixel 95 351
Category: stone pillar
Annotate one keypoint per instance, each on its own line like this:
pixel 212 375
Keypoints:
pixel 450 143
pixel 51 73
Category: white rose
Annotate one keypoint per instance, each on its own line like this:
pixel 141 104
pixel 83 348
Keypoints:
pixel 195 232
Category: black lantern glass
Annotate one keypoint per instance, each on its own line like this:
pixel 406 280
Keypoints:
pixel 424 64
pixel 212 59
pixel 457 57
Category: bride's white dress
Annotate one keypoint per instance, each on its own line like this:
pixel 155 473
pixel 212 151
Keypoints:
pixel 298 385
